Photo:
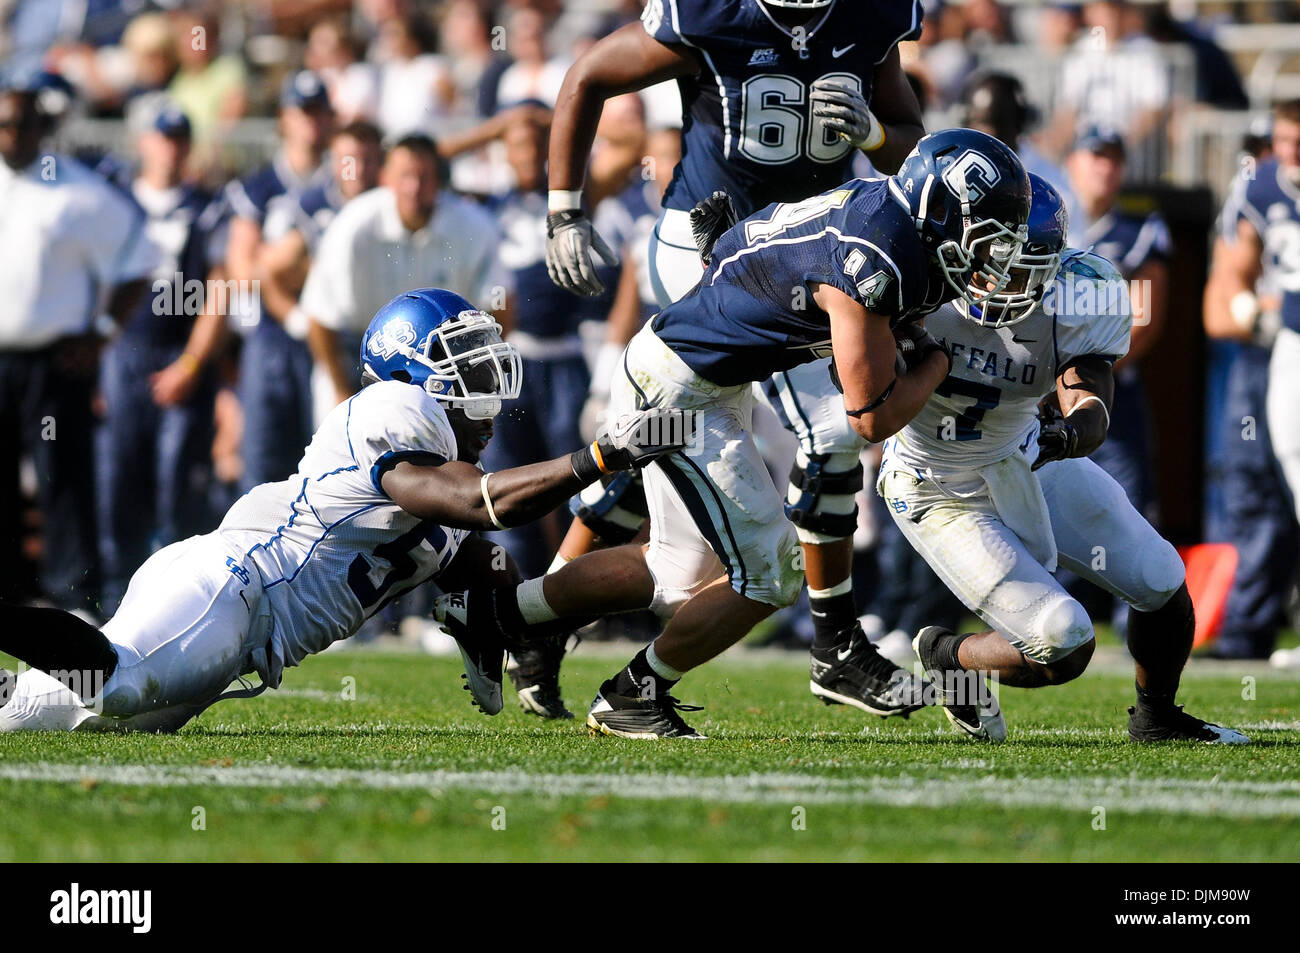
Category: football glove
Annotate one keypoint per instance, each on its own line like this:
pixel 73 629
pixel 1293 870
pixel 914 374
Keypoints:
pixel 1057 438
pixel 634 441
pixel 843 110
pixel 570 240
pixel 709 219
pixel 915 344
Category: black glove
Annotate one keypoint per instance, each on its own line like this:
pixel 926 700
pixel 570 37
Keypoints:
pixel 1057 438
pixel 634 441
pixel 915 344
pixel 709 219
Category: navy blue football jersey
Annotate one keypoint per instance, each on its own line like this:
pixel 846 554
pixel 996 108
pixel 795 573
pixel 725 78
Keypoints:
pixel 309 213
pixel 180 223
pixel 747 125
pixel 1126 241
pixel 753 314
pixel 250 196
pixel 1271 203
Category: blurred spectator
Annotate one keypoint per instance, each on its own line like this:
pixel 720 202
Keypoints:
pixel 946 61
pixel 154 454
pixel 405 234
pixel 1257 516
pixel 533 74
pixel 331 53
pixel 275 377
pixel 74 248
pixel 1058 23
pixel 1114 75
pixel 144 60
pixel 995 104
pixel 1217 81
pixel 476 64
pixel 415 85
pixel 1139 247
pixel 208 87
pixel 294 226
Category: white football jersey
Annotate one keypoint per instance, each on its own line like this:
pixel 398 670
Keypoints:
pixel 986 409
pixel 331 546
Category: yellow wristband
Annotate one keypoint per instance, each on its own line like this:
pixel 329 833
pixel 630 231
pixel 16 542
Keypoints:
pixel 191 363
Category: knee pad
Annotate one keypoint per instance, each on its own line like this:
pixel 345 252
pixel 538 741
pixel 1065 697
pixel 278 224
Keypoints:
pixel 614 508
pixel 1060 629
pixel 1162 574
pixel 821 501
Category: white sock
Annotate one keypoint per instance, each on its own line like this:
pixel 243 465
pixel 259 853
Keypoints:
pixel 532 602
pixel 558 563
pixel 836 590
pixel 659 666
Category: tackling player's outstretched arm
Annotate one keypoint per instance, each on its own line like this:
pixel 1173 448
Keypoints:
pixel 1079 416
pixel 460 495
pixel 878 400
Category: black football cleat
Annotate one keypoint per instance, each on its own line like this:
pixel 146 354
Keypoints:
pixel 534 669
pixel 631 716
pixel 1148 725
pixel 855 673
pixel 965 697
pixel 467 618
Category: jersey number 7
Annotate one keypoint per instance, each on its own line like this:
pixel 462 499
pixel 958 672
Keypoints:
pixel 986 398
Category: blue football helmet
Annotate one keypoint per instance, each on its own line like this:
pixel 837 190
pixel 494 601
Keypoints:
pixel 439 341
pixel 1033 272
pixel 969 199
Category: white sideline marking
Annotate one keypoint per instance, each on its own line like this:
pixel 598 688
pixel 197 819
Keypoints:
pixel 1126 795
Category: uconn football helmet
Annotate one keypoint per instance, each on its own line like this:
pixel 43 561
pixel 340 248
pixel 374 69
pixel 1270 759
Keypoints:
pixel 969 198
pixel 439 341
pixel 1034 270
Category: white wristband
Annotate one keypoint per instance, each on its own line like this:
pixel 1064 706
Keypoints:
pixel 602 375
pixel 487 502
pixel 1244 308
pixel 1084 401
pixel 296 323
pixel 563 200
pixel 876 138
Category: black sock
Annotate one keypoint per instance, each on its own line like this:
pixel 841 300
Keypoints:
pixel 56 642
pixel 945 652
pixel 505 607
pixel 1160 642
pixel 833 619
pixel 638 679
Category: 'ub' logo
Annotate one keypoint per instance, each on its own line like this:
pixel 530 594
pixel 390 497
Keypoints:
pixel 391 339
pixel 971 176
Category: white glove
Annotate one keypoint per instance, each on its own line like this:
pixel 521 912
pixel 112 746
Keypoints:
pixel 843 110
pixel 569 243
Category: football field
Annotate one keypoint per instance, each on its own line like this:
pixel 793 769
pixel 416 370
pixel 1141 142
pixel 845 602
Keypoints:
pixel 377 755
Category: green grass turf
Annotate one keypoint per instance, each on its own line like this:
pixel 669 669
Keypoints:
pixel 865 789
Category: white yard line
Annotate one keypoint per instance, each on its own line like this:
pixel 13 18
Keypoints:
pixel 1277 799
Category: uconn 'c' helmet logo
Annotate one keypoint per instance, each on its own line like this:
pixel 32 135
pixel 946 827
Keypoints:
pixel 971 176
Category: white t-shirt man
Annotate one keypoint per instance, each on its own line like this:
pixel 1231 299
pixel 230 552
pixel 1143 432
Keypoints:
pixel 67 238
pixel 367 257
